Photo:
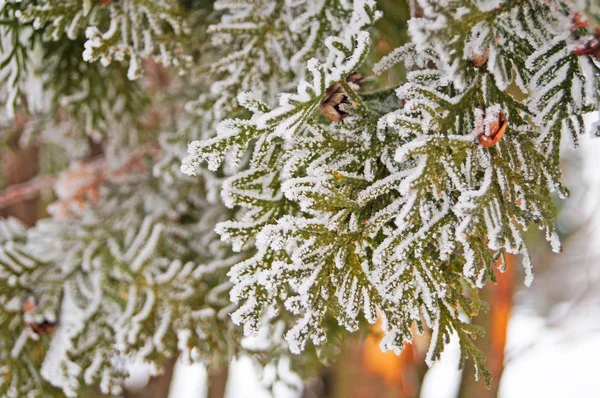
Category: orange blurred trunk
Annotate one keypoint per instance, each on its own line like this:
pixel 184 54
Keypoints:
pixel 493 343
pixel 364 371
pixel 217 382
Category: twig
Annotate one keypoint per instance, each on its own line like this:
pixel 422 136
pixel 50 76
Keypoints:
pixel 19 192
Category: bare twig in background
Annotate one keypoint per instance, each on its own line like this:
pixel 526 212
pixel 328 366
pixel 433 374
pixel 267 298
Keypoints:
pixel 17 193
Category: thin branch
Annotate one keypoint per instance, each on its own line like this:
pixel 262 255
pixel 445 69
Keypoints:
pixel 20 192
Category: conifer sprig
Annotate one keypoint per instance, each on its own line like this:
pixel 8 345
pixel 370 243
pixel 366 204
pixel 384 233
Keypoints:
pixel 389 214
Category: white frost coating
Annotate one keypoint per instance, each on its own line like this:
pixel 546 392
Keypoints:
pixel 423 289
pixel 295 337
pixel 170 273
pixel 378 255
pixel 148 248
pixel 405 54
pixel 129 308
pixel 469 254
pixel 141 316
pixel 446 243
pixel 382 186
pixel 140 238
pixel 477 44
pixel 466 201
pixel 528 268
pixel 190 164
pixel 57 368
pixel 294 109
pixel 19 344
pixel 86 264
pixel 183 336
pixel 287 116
pixel 554 239
pixel 368 309
pixel 435 330
pixel 90 372
pixel 488 5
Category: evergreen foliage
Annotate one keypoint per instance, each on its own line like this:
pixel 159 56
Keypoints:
pixel 319 197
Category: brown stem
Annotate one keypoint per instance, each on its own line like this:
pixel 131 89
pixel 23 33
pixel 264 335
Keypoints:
pixel 19 191
pixel 217 382
pixel 25 191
